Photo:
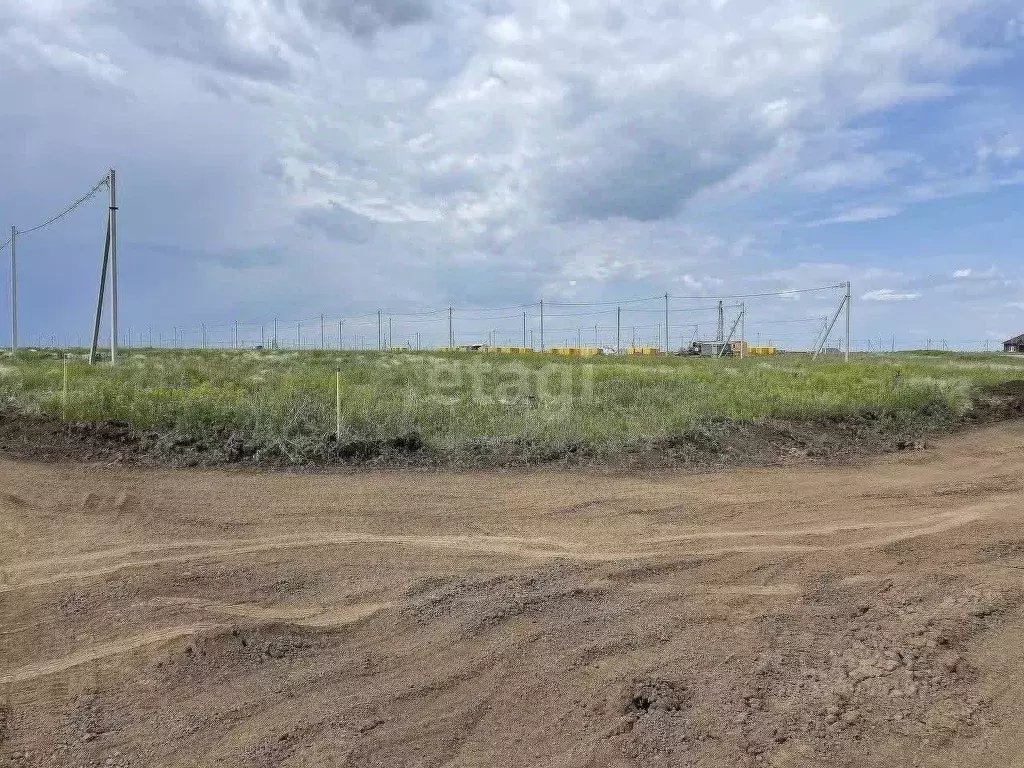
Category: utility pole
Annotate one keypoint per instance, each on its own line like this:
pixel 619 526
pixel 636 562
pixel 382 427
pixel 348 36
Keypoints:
pixel 298 335
pixel 721 322
pixel 323 339
pixel 380 331
pixel 391 334
pixel 542 325
pixel 99 295
pixel 204 335
pixel 743 328
pixel 847 321
pixel 14 291
pixel 238 342
pixel 666 322
pixel 579 338
pixel 618 330
pixel 341 335
pixel 451 330
pixel 275 333
pixel 634 336
pixel 113 266
pixel 597 340
pixel 263 335
pixel 524 330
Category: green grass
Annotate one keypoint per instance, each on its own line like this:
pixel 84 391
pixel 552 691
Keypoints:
pixel 451 398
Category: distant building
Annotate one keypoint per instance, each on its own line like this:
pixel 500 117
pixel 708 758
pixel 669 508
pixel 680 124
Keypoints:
pixel 1016 344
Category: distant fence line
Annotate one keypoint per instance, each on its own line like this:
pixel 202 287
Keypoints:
pixel 368 344
pixel 667 321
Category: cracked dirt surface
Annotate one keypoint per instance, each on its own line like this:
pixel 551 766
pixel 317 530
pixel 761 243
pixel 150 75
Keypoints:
pixel 867 615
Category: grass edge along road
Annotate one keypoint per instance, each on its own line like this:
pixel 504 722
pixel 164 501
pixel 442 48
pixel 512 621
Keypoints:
pixel 444 401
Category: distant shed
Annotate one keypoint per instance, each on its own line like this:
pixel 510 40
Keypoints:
pixel 1016 344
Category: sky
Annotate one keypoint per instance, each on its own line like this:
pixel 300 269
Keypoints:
pixel 291 158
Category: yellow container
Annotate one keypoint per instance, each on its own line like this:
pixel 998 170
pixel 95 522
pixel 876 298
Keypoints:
pixel 643 351
pixel 575 351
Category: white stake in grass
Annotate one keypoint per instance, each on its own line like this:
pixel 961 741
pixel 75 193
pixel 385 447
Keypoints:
pixel 337 402
pixel 64 401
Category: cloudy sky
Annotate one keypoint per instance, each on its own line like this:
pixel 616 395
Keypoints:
pixel 286 158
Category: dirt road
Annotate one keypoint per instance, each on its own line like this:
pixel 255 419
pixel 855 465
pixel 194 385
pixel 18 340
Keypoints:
pixel 864 616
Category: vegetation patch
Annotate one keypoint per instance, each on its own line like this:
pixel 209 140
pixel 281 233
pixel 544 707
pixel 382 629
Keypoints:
pixel 451 409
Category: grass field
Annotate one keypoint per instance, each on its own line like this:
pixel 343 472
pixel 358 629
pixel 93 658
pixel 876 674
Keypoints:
pixel 447 399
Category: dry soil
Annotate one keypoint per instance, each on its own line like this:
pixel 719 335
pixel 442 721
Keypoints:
pixel 866 615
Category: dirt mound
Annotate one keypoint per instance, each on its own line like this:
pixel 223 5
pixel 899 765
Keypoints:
pixel 655 696
pixel 999 401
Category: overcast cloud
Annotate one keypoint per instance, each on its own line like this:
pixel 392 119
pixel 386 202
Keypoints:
pixel 283 158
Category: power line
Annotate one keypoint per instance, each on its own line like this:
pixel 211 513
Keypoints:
pixel 83 199
pixel 762 294
pixel 607 303
pixel 779 322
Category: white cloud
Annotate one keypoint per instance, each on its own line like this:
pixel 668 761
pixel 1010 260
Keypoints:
pixel 435 150
pixel 1005 149
pixel 852 172
pixel 962 272
pixel 887 294
pixel 861 213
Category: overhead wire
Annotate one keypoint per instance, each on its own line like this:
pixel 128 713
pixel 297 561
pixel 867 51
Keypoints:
pixel 80 201
pixel 762 294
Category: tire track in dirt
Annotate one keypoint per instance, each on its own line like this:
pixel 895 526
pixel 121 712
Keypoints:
pixel 304 616
pixel 525 547
pixel 826 530
pixel 318 618
pixel 103 650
